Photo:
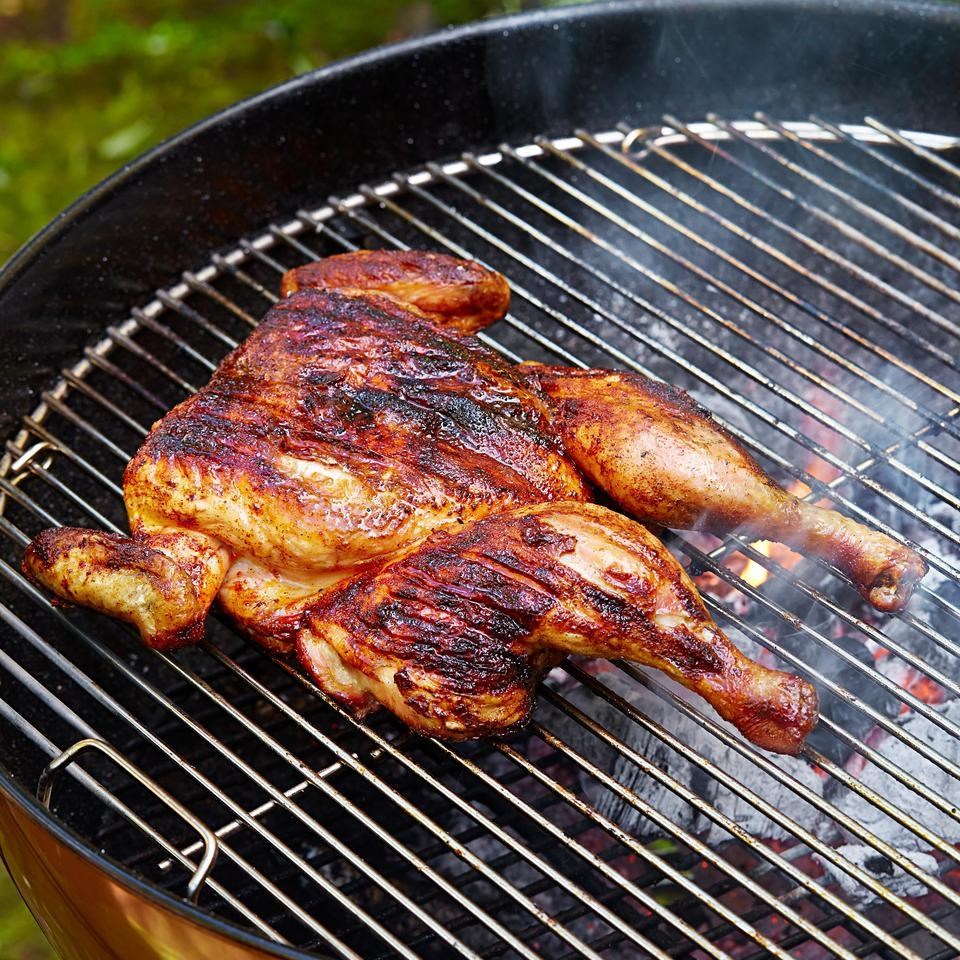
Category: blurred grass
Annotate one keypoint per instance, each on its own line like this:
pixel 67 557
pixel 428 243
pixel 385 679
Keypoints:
pixel 86 85
pixel 20 938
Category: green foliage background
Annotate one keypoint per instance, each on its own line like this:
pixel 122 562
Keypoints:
pixel 86 85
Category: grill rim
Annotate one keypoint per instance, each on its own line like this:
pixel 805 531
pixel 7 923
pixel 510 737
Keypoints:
pixel 25 803
pixel 29 251
pixel 64 221
pixel 924 29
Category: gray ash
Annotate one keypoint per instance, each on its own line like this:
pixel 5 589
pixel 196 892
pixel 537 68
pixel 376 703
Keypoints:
pixel 686 773
pixel 895 879
pixel 932 777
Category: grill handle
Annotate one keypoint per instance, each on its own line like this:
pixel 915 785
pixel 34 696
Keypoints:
pixel 211 846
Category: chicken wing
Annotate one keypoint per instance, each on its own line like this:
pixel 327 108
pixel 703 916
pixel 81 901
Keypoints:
pixel 664 459
pixel 455 294
pixel 453 636
pixel 163 586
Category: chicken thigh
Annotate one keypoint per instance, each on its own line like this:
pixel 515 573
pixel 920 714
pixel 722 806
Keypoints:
pixel 363 480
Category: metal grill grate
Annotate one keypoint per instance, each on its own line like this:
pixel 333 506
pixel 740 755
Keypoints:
pixel 799 279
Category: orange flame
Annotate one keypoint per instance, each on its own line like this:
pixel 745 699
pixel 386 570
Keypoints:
pixel 756 573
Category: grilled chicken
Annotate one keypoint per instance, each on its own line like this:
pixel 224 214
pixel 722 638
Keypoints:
pixel 454 635
pixel 364 481
pixel 163 584
pixel 665 460
pixel 347 427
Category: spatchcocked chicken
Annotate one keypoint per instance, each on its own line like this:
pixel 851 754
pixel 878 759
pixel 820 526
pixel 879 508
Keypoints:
pixel 364 482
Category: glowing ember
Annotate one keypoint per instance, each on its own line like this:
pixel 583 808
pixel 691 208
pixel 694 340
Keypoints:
pixel 925 689
pixel 755 573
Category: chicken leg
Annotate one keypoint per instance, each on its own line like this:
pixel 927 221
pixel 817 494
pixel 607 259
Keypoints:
pixel 663 458
pixel 453 636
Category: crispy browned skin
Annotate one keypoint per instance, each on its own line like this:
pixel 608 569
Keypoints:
pixel 456 294
pixel 341 430
pixel 663 458
pixel 345 428
pixel 454 636
pixel 319 483
pixel 164 587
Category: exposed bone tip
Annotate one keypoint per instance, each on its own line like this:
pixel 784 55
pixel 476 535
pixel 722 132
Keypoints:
pixel 891 590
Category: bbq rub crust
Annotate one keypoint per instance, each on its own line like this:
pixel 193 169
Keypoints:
pixel 362 480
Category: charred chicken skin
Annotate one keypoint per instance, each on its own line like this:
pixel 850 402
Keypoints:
pixel 364 482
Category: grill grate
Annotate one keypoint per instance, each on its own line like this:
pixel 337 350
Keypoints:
pixel 798 278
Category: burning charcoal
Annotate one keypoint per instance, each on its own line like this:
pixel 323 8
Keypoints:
pixel 907 635
pixel 626 772
pixel 861 683
pixel 698 739
pixel 846 715
pixel 774 792
pixel 896 794
pixel 658 796
pixel 879 866
pixel 939 618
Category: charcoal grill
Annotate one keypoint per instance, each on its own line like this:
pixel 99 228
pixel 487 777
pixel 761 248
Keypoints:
pixel 799 277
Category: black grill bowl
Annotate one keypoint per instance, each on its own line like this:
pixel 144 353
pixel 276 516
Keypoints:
pixel 257 164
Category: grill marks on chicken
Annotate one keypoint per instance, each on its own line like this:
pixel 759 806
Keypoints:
pixel 365 481
pixel 454 636
pixel 344 429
